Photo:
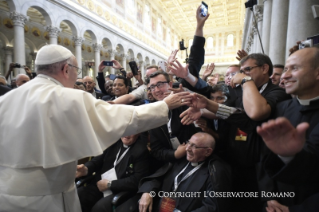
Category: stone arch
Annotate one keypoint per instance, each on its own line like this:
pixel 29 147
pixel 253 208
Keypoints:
pixel 130 54
pixel 153 62
pixel 31 45
pixel 139 57
pixel 92 34
pixel 46 12
pixel 71 24
pixel 4 39
pixel 147 61
pixel 106 43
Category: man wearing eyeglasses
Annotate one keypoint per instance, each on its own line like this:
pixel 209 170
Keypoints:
pixel 245 147
pixel 199 173
pixel 37 168
pixel 90 87
pixel 166 141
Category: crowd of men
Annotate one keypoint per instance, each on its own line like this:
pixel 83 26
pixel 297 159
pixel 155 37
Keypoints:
pixel 175 142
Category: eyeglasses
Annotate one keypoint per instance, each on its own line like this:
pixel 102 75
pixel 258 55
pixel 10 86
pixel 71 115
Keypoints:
pixel 193 146
pixel 77 68
pixel 158 85
pixel 248 69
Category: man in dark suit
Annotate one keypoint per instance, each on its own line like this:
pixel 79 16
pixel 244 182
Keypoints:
pixel 131 160
pixel 167 142
pixel 4 89
pixel 293 138
pixel 197 175
pixel 90 87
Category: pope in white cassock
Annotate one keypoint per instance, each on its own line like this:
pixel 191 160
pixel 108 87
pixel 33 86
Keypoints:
pixel 46 126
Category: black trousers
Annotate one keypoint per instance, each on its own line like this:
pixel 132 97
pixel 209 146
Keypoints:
pixel 92 200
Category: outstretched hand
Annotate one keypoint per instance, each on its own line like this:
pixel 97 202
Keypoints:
pixel 177 100
pixel 274 206
pixel 241 54
pixel 282 138
pixel 177 90
pixel 190 115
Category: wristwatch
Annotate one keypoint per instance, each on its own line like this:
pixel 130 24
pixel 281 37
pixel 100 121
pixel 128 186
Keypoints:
pixel 109 184
pixel 246 79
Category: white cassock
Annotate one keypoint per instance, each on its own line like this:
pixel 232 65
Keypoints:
pixel 45 128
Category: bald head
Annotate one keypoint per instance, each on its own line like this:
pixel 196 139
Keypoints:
pixel 3 80
pixel 90 83
pixel 21 79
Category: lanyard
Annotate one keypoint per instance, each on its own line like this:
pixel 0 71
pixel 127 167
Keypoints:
pixel 263 87
pixel 122 156
pixel 186 176
pixel 216 124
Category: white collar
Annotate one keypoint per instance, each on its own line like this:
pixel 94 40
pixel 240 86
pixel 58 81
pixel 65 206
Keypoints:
pixel 194 164
pixel 125 146
pixel 50 79
pixel 306 101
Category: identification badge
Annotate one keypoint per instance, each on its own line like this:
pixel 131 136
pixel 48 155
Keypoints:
pixel 167 205
pixel 240 135
pixel 175 142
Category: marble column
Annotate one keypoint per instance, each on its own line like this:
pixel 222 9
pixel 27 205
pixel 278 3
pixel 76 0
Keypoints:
pixel 124 56
pixel 266 25
pixel 112 53
pixel 142 69
pixel 78 52
pixel 19 21
pixel 8 55
pixel 255 38
pixel 278 31
pixel 97 48
pixel 301 23
pixel 259 18
pixel 217 45
pixel 53 34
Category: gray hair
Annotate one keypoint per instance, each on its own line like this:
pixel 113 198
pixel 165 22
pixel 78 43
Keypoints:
pixel 52 69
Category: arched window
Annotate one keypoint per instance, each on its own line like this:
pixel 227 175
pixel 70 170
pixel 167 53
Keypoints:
pixel 230 40
pixel 147 16
pixel 159 27
pixel 210 43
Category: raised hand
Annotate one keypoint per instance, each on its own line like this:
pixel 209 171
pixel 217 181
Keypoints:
pixel 209 70
pixel 116 64
pixel 178 70
pixel 282 138
pixel 180 151
pixel 241 54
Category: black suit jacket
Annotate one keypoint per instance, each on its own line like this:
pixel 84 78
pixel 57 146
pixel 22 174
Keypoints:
pixel 129 171
pixel 4 89
pixel 214 175
pixel 301 175
pixel 161 147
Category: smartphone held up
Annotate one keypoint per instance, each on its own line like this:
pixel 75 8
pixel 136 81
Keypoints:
pixel 204 9
pixel 107 63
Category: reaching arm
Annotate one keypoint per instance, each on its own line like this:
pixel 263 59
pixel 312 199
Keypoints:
pixel 200 23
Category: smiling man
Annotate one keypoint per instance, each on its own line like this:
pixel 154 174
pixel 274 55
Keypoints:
pixel 199 173
pixel 294 163
pixel 168 141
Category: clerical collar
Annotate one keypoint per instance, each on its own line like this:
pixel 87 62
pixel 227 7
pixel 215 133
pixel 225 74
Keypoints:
pixel 125 146
pixel 43 76
pixel 197 163
pixel 306 102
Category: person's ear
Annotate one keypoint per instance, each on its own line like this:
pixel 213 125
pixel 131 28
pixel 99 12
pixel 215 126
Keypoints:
pixel 65 70
pixel 265 68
